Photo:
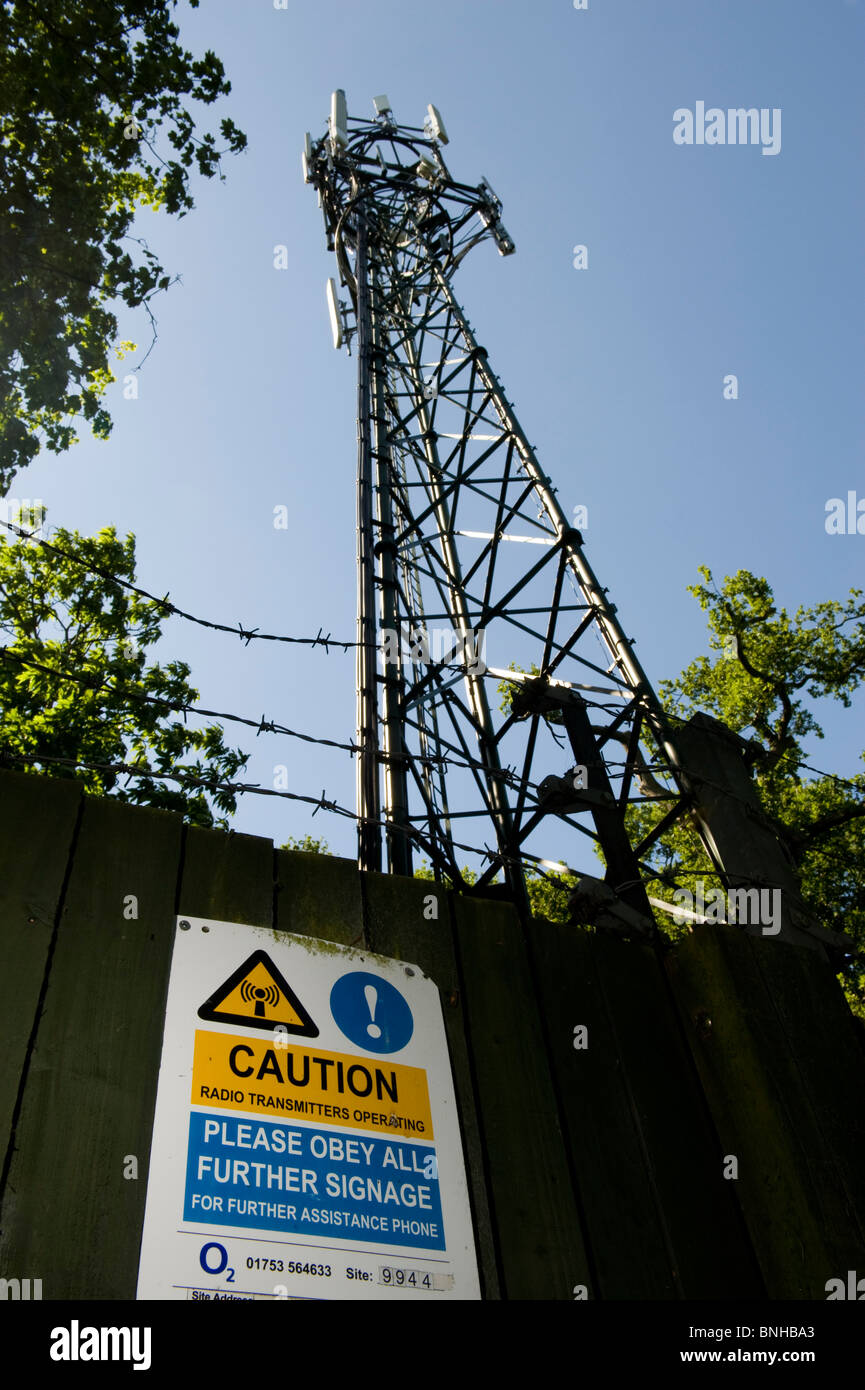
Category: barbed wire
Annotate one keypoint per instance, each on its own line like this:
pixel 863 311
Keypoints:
pixel 668 877
pixel 247 635
pixel 262 725
pixel 214 784
pixel 858 785
pixel 238 630
pixel 185 778
pixel 325 640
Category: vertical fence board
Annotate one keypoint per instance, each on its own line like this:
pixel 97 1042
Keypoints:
pixel 756 1098
pixel 602 1127
pixel 823 1048
pixel 319 895
pixel 647 1161
pixel 37 825
pixel 703 1227
pixel 70 1217
pixel 227 877
pixel 399 926
pixel 534 1209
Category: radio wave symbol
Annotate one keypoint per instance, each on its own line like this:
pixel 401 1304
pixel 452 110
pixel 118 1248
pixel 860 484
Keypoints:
pixel 259 995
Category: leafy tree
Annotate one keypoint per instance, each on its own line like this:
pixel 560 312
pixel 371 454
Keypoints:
pixel 75 685
pixel 548 894
pixel 87 87
pixel 425 871
pixel 308 845
pixel 770 668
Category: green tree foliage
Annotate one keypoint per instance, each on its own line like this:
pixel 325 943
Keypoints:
pixel 75 684
pixel 769 671
pixel 308 845
pixel 86 89
pixel 548 894
pixel 425 871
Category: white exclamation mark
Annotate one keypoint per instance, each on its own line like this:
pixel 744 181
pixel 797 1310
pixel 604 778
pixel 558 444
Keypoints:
pixel 371 996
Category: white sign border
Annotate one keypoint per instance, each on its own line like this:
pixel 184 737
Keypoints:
pixel 449 1274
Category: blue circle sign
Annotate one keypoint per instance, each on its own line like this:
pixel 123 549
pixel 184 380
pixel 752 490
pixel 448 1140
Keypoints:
pixel 371 1012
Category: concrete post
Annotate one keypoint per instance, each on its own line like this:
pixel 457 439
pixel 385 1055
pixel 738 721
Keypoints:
pixel 738 834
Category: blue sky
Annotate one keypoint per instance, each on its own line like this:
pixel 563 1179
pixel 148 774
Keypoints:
pixel 702 261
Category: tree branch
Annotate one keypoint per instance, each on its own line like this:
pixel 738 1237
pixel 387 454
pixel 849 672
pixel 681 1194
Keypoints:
pixel 831 821
pixel 778 736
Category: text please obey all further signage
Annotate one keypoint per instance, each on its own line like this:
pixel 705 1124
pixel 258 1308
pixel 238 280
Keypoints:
pixel 306 1140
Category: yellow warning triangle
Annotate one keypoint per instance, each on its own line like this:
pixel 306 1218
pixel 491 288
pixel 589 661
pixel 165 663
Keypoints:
pixel 257 995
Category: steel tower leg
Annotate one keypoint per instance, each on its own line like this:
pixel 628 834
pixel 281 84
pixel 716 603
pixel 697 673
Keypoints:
pixel 368 803
pixel 399 849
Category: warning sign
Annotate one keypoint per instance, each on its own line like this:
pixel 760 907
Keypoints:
pixel 244 1074
pixel 306 1141
pixel 257 995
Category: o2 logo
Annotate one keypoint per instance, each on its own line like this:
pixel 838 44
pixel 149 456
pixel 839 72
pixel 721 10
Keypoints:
pixel 215 1263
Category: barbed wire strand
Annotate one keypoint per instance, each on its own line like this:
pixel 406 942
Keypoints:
pixel 261 726
pixel 238 630
pixel 325 641
pixel 246 635
pixel 214 784
pixel 322 803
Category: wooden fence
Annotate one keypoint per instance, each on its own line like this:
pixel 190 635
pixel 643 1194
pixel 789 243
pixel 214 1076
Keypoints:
pixel 707 1142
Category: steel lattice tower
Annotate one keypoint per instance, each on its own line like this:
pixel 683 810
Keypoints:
pixel 465 556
